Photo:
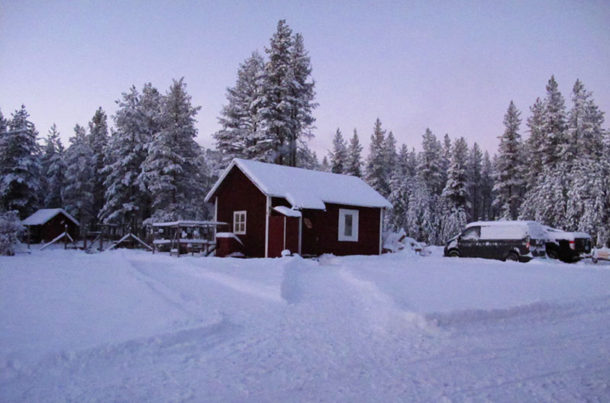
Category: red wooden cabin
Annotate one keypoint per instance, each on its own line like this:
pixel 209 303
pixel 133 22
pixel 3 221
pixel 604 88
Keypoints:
pixel 46 224
pixel 272 208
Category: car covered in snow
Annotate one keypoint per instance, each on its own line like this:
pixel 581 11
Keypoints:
pixel 503 240
pixel 568 246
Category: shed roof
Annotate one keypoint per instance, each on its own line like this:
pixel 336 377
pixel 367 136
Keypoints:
pixel 304 188
pixel 43 216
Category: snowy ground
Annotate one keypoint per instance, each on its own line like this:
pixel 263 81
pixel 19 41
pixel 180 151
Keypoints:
pixel 130 326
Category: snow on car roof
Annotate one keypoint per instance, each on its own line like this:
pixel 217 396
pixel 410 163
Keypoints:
pixel 304 188
pixel 43 216
pixel 509 229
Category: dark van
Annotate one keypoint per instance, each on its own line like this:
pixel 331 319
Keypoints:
pixel 504 240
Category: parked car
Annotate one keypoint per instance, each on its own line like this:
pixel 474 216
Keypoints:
pixel 567 246
pixel 503 240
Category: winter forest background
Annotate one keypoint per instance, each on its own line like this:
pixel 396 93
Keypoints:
pixel 552 166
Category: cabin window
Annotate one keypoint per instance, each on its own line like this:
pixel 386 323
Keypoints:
pixel 239 222
pixel 348 225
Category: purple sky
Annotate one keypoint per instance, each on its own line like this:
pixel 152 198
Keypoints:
pixel 452 66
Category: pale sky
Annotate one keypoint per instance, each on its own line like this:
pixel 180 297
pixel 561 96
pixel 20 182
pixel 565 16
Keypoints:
pixel 452 66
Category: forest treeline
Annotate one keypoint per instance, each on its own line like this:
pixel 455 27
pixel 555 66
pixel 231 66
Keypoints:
pixel 552 166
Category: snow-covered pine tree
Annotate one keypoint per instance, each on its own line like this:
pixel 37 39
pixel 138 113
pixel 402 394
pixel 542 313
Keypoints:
pixel 325 165
pixel 170 171
pixel 534 145
pixel 547 202
pixel 376 169
pixel 509 181
pixel 400 183
pixel 487 184
pixel 554 125
pixel 20 167
pixel 306 158
pixel 354 156
pixel 430 165
pixel 390 156
pixel 475 164
pixel 98 141
pixel 302 96
pixel 588 175
pixel 455 193
pixel 78 195
pixel 126 200
pixel 240 135
pixel 421 222
pixel 446 158
pixel 276 104
pixel 338 155
pixel 54 168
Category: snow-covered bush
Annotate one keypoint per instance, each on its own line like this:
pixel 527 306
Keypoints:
pixel 10 230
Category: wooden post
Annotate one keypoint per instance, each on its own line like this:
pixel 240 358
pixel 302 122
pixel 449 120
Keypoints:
pixel 85 238
pixel 65 237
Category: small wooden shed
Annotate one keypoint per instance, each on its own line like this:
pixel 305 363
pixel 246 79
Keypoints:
pixel 272 208
pixel 46 224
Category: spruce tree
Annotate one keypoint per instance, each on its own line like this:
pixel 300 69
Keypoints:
pixel 338 156
pixel 430 163
pixel 509 182
pixel 376 169
pixel 241 135
pixel 126 199
pixel 276 110
pixel 487 184
pixel 421 222
pixel 79 191
pixel 554 125
pixel 475 165
pixel 20 167
pixel 170 171
pixel 534 145
pixel 325 165
pixel 354 156
pixel 400 184
pixel 302 96
pixel 98 141
pixel 455 193
pixel 54 167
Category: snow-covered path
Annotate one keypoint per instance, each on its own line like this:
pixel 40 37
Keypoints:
pixel 130 326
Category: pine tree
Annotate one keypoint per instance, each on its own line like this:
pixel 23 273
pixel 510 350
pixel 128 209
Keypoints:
pixel 98 141
pixel 276 110
pixel 338 156
pixel 306 158
pixel 509 186
pixel 475 165
pixel 20 167
pixel 554 125
pixel 455 193
pixel 302 96
pixel 487 184
pixel 445 159
pixel 400 184
pixel 390 155
pixel 79 192
pixel 241 135
pixel 170 170
pixel 354 156
pixel 325 165
pixel 430 163
pixel 54 167
pixel 534 145
pixel 376 168
pixel 126 199
pixel 421 223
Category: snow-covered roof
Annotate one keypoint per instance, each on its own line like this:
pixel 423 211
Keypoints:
pixel 43 216
pixel 187 223
pixel 287 211
pixel 509 229
pixel 304 188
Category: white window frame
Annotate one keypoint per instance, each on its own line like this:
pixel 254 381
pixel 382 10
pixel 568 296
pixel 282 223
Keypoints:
pixel 343 213
pixel 239 225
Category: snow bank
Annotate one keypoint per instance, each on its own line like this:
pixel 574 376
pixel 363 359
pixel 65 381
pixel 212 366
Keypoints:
pixel 129 325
